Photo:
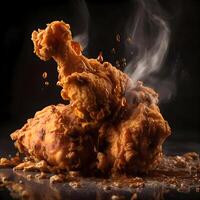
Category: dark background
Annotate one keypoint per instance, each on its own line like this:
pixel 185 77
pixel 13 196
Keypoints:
pixel 22 87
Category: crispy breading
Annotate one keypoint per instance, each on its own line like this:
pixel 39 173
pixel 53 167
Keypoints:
pixel 113 125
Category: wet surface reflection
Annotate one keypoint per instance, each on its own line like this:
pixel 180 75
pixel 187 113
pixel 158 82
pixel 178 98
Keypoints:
pixel 28 185
pixel 167 182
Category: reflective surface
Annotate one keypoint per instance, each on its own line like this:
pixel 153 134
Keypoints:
pixel 40 189
pixel 20 185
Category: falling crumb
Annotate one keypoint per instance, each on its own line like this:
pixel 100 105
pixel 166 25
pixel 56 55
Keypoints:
pixel 100 57
pixel 113 51
pixel 20 181
pixel 129 40
pixel 44 75
pixel 118 37
pixel 46 83
pixel 4 179
pixel 123 59
pixel 123 65
pixel 117 63
pixel 123 62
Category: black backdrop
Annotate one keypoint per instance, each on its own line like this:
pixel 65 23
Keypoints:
pixel 21 84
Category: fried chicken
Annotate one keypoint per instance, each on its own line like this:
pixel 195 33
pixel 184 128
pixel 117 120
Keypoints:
pixel 57 136
pixel 110 124
pixel 134 142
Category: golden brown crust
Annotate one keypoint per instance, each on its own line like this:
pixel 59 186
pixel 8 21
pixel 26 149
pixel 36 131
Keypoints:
pixel 57 136
pixel 110 124
pixel 135 143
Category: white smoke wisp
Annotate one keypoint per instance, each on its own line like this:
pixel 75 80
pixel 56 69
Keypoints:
pixel 83 21
pixel 82 39
pixel 149 35
pixel 153 57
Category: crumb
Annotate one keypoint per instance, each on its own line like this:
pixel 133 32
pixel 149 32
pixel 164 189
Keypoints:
pixel 74 173
pixel 57 178
pixel 75 184
pixel 123 59
pixel 106 187
pixel 11 162
pixel 26 159
pixel 113 51
pixel 25 166
pixel 44 75
pixel 116 184
pixel 100 57
pixel 123 62
pixel 191 156
pixel 29 176
pixel 136 182
pixel 118 37
pixel 4 179
pixel 180 162
pixel 41 175
pixel 117 63
pixel 46 83
pixel 129 40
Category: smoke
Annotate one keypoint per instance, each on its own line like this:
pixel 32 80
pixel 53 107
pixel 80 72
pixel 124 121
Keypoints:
pixel 149 36
pixel 83 16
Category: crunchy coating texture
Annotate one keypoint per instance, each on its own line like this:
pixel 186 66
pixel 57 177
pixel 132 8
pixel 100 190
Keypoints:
pixel 84 81
pixel 118 125
pixel 56 135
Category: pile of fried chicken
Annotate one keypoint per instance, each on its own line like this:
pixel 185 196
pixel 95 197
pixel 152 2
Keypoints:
pixel 110 125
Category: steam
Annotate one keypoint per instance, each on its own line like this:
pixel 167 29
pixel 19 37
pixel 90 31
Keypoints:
pixel 149 36
pixel 82 22
pixel 82 39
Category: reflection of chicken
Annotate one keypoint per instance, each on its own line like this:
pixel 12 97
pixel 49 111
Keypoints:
pixel 116 126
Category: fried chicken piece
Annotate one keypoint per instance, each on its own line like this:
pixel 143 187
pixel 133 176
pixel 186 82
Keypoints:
pixel 84 81
pixel 118 125
pixel 57 136
pixel 134 142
